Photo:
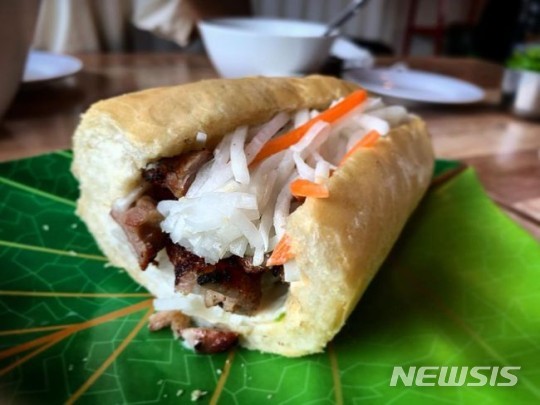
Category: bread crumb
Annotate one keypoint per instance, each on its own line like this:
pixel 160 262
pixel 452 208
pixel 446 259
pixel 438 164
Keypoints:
pixel 197 394
pixel 45 227
pixel 74 226
pixel 179 392
pixel 218 371
pixel 269 396
pixel 72 253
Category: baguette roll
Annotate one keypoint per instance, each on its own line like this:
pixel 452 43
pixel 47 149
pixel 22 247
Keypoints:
pixel 338 242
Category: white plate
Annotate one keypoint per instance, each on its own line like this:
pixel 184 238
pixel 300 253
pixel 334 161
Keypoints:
pixel 45 66
pixel 416 85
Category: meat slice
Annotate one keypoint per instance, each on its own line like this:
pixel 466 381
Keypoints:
pixel 187 266
pixel 203 340
pixel 140 223
pixel 206 340
pixel 230 287
pixel 175 319
pixel 176 173
pixel 226 283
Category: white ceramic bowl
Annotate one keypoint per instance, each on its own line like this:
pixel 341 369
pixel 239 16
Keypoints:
pixel 261 46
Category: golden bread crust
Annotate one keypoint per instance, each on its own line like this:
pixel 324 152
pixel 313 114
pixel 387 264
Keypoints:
pixel 170 116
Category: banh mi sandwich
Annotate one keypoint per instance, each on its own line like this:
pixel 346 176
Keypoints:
pixel 255 210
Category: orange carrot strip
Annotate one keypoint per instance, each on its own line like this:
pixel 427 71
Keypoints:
pixel 282 252
pixel 330 115
pixel 306 188
pixel 366 142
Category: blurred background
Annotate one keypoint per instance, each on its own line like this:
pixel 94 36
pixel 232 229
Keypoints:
pixel 483 28
pixel 470 68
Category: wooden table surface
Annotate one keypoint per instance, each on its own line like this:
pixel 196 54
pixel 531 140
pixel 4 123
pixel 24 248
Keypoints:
pixel 503 149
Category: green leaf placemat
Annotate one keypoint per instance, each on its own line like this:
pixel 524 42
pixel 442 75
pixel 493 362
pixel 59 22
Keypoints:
pixel 461 288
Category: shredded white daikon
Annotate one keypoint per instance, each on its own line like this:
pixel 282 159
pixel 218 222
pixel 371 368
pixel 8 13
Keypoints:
pixel 305 171
pixel 314 137
pixel 238 208
pixel 291 273
pixel 208 224
pixel 372 122
pixel 394 115
pixel 318 158
pixel 265 133
pixel 238 157
pixel 322 171
pixel 301 117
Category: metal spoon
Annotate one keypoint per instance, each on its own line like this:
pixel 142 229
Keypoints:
pixel 347 13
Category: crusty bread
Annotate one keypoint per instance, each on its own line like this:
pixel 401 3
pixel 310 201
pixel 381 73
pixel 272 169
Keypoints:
pixel 339 242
